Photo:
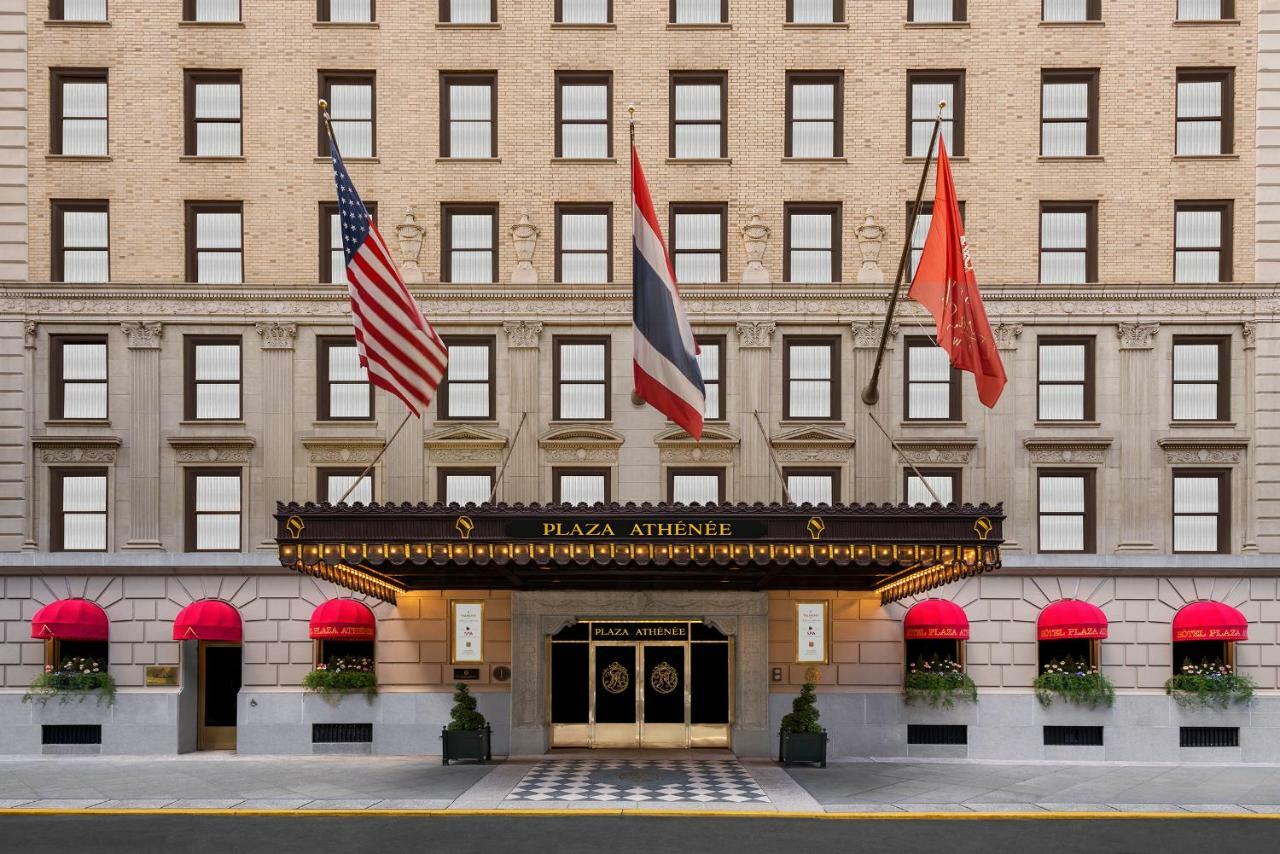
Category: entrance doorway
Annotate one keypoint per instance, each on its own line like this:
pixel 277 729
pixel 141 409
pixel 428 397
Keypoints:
pixel 646 684
pixel 219 690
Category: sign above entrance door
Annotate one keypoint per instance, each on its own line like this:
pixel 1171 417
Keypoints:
pixel 639 631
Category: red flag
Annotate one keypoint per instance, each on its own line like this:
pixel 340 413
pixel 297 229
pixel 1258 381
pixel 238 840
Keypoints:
pixel 944 283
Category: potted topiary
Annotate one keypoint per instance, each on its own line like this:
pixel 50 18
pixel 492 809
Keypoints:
pixel 468 735
pixel 801 738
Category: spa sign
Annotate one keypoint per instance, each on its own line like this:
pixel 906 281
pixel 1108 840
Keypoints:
pixel 635 529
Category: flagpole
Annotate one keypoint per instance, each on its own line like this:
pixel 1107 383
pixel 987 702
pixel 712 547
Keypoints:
pixel 871 394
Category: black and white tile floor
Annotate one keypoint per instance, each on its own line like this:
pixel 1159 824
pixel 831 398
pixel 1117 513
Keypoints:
pixel 654 780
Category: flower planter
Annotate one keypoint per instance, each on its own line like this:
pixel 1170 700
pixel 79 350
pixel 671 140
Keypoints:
pixel 810 747
pixel 462 744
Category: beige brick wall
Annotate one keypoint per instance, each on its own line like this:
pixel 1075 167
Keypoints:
pixel 13 140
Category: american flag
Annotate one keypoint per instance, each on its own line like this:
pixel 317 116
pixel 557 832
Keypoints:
pixel 397 346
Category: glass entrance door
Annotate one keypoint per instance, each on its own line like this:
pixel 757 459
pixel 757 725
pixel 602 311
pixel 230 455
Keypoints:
pixel 218 695
pixel 615 697
pixel 666 697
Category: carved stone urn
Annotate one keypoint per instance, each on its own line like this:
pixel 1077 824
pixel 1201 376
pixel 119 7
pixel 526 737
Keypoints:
pixel 524 238
pixel 755 239
pixel 410 234
pixel 870 234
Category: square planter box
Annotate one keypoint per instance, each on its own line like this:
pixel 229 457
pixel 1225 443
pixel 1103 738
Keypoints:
pixel 802 747
pixel 470 744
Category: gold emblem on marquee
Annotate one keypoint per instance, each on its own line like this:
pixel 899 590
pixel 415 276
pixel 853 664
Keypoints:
pixel 294 526
pixel 615 678
pixel 982 527
pixel 465 526
pixel 664 678
pixel 816 526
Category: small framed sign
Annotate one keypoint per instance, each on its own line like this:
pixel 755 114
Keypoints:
pixel 466 632
pixel 811 633
pixel 160 675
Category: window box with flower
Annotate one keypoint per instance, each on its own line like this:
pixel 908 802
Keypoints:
pixel 76 678
pixel 341 675
pixel 1074 680
pixel 938 682
pixel 1210 685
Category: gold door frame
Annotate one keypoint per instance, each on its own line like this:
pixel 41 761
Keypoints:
pixel 212 737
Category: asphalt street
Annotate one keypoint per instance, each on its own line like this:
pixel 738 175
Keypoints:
pixel 623 834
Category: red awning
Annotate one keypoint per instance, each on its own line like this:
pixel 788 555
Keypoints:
pixel 936 619
pixel 1071 619
pixel 207 620
pixel 70 619
pixel 343 619
pixel 1210 621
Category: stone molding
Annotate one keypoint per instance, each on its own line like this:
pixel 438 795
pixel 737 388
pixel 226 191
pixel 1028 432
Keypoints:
pixel 522 334
pixel 934 451
pixel 866 334
pixel 813 444
pixel 675 445
pixel 142 335
pixel 1007 335
pixel 211 449
pixel 581 444
pixel 358 450
pixel 1203 451
pixel 756 334
pixel 1080 450
pixel 56 450
pixel 1137 336
pixel 277 335
pixel 465 443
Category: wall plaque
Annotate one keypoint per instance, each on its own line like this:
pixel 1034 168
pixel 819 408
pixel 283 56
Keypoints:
pixel 160 675
pixel 811 632
pixel 466 674
pixel 466 632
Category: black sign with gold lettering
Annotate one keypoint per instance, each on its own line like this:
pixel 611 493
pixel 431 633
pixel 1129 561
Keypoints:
pixel 639 631
pixel 693 529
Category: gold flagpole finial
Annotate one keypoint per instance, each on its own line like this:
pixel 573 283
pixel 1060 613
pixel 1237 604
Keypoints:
pixel 631 113
pixel 942 106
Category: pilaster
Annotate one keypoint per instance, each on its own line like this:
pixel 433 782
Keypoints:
pixel 143 340
pixel 520 483
pixel 875 458
pixel 277 436
pixel 1137 341
pixel 756 480
pixel 29 332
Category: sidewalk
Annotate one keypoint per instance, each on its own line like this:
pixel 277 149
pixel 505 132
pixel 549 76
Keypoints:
pixel 694 782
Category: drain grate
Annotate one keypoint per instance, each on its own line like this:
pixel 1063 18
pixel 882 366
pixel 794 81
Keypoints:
pixel 1209 736
pixel 937 734
pixel 341 733
pixel 71 734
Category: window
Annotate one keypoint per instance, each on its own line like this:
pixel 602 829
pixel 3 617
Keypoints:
pixel 79 510
pixel 78 10
pixel 1071 11
pixel 213 113
pixel 1202 242
pixel 468 115
pixel 584 244
pixel 925 89
pixel 1201 378
pixel 344 390
pixel 711 358
pixel 584 11
pixel 333 260
pixel 468 11
pixel 468 388
pixel 936 11
pixel 79 377
pixel 345 11
pixel 215 240
pixel 80 241
pixel 352 108
pixel 469 243
pixel 465 486
pixel 581 378
pixel 333 483
pixel 1066 510
pixel 815 11
pixel 584 115
pixel 580 486
pixel 213 510
pixel 78 120
pixel 945 483
pixel 1206 10
pixel 1201 511
pixel 815 114
pixel 1068 113
pixel 933 386
pixel 211 11
pixel 698 105
pixel 1065 379
pixel 695 486
pixel 813 486
pixel 921 232
pixel 811 243
pixel 1068 243
pixel 1205 111
pixel 811 377
pixel 699 11
pixel 698 233
pixel 213 378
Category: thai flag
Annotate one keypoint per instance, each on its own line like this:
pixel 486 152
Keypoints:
pixel 666 364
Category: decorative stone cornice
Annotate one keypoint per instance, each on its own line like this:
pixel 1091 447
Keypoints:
pixel 277 335
pixel 581 444
pixel 1089 450
pixel 343 449
pixel 57 450
pixel 1249 332
pixel 1203 451
pixel 465 443
pixel 675 445
pixel 522 334
pixel 866 334
pixel 1007 335
pixel 756 334
pixel 813 443
pixel 1137 336
pixel 935 451
pixel 144 335
pixel 211 449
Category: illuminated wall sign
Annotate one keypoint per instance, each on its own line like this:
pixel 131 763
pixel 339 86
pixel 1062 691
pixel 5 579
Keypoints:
pixel 811 632
pixel 466 632
pixel 639 631
pixel 636 529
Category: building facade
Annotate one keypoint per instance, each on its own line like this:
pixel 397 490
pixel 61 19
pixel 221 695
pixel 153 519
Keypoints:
pixel 177 360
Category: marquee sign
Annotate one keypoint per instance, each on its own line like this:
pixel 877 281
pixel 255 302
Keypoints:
pixel 692 529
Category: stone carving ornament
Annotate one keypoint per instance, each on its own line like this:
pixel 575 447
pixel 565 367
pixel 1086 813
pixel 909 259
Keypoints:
pixel 1249 332
pixel 870 236
pixel 756 334
pixel 1007 335
pixel 524 239
pixel 1203 451
pixel 277 335
pixel 522 334
pixel 409 234
pixel 933 451
pixel 1137 336
pixel 1079 451
pixel 755 240
pixel 866 334
pixel 142 335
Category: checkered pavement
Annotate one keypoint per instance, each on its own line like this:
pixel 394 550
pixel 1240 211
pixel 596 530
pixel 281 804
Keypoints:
pixel 657 780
